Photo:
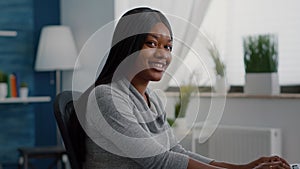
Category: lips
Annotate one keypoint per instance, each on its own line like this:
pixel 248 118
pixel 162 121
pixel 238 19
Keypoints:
pixel 159 66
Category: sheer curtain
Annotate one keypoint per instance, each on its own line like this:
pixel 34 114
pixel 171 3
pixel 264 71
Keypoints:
pixel 185 24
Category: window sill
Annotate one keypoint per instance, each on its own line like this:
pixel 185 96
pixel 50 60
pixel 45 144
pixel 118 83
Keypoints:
pixel 241 95
pixel 287 92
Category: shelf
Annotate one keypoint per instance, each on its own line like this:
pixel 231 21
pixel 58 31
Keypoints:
pixel 35 99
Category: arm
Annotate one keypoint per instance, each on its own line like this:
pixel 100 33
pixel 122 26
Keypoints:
pixel 178 148
pixel 263 162
pixel 260 163
pixel 226 165
pixel 194 164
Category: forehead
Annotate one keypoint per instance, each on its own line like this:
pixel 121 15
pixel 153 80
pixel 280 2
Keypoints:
pixel 160 29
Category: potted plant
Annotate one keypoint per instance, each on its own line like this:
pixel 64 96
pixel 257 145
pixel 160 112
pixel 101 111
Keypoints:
pixel 181 105
pixel 183 100
pixel 23 90
pixel 221 85
pixel 261 64
pixel 3 85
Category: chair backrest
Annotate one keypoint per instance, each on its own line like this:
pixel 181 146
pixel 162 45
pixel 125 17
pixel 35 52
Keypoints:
pixel 64 110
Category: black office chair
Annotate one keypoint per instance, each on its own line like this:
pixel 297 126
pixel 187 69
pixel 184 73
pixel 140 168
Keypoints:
pixel 64 111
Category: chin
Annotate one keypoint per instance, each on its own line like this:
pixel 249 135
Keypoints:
pixel 156 79
pixel 153 75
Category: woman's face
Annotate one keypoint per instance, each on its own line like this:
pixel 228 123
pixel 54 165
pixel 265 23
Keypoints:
pixel 155 55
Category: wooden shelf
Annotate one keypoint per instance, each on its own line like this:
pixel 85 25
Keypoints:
pixel 32 99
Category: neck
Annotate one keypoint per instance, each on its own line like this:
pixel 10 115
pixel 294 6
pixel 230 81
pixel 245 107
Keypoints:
pixel 140 85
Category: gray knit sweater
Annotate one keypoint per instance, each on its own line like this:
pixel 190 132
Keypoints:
pixel 125 133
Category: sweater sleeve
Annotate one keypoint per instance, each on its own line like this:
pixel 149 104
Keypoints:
pixel 112 118
pixel 178 148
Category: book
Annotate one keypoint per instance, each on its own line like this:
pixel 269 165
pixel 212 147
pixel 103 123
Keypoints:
pixel 12 86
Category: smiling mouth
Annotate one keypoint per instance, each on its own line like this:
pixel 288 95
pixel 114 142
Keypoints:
pixel 158 66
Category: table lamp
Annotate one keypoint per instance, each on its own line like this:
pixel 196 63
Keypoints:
pixel 56 52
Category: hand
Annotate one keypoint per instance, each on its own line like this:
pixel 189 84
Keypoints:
pixel 272 165
pixel 268 162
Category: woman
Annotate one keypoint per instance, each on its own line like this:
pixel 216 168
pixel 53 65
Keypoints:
pixel 125 121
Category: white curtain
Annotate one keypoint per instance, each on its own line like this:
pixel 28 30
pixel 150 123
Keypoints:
pixel 185 18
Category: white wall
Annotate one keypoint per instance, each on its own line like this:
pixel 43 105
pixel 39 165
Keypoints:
pixel 276 113
pixel 228 21
pixel 84 19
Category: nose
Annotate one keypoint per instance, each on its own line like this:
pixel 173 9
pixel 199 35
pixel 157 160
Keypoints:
pixel 161 53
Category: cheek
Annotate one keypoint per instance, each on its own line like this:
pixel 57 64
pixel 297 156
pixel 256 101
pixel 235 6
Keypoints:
pixel 141 61
pixel 169 58
pixel 145 55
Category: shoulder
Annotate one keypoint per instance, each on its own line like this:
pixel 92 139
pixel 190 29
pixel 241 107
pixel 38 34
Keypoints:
pixel 109 95
pixel 107 91
pixel 111 101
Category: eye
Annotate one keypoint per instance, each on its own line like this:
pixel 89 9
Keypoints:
pixel 169 48
pixel 151 43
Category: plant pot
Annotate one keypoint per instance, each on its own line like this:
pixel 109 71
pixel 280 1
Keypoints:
pixel 23 92
pixel 262 84
pixel 3 90
pixel 221 86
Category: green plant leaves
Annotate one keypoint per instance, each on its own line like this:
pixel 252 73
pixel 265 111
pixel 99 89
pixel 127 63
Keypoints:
pixel 181 105
pixel 261 53
pixel 3 77
pixel 219 65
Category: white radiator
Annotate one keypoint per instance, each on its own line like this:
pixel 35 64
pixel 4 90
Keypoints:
pixel 238 144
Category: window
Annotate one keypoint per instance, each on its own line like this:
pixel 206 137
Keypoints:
pixel 229 20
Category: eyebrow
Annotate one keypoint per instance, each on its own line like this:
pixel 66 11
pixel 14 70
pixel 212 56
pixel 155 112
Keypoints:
pixel 156 37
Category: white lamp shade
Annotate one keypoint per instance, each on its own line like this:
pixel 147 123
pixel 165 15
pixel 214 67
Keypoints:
pixel 56 49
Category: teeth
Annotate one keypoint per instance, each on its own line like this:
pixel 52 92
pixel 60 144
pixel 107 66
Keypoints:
pixel 158 65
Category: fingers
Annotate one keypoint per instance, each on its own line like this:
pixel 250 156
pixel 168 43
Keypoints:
pixel 274 165
pixel 284 161
pixel 277 158
pixel 273 162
